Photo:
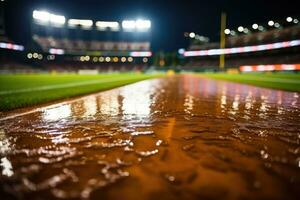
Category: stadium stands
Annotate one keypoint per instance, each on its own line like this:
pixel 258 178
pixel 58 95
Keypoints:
pixel 277 51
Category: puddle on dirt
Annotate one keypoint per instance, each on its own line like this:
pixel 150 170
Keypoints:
pixel 175 138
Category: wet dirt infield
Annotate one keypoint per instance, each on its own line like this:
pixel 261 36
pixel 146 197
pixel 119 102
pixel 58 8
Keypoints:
pixel 180 137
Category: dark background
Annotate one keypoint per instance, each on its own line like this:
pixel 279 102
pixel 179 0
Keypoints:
pixel 170 19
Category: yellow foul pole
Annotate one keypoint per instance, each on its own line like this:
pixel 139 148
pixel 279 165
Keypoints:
pixel 222 40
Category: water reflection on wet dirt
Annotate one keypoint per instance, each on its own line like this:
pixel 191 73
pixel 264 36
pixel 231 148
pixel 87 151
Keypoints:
pixel 174 138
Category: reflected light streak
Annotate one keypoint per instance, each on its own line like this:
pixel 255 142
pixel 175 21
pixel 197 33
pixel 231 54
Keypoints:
pixel 109 104
pixel 7 169
pixel 90 105
pixel 136 100
pixel 57 113
pixel 188 103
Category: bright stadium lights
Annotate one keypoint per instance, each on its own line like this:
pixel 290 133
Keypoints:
pixel 107 59
pixel 123 59
pixel 255 26
pixel 128 24
pixel 246 30
pixel 145 60
pixel 289 19
pixel 50 57
pixel 45 17
pixel 105 25
pixel 101 59
pixel 240 29
pixel 29 55
pixel 130 59
pixel 227 31
pixel 181 51
pixel 143 24
pixel 232 32
pixel 35 55
pixel 276 25
pixel 296 21
pixel 192 35
pixel 138 25
pixel 261 28
pixel 271 23
pixel 95 59
pixel 84 23
pixel 57 19
pixel 115 59
pixel 40 57
pixel 41 16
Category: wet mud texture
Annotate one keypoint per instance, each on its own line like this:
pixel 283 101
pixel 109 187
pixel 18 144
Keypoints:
pixel 179 137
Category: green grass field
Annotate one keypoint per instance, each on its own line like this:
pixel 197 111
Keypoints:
pixel 282 81
pixel 17 91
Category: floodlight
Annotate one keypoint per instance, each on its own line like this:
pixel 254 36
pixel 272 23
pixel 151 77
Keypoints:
pixel 255 26
pixel 123 59
pixel 101 59
pixel 104 25
pixel 115 59
pixel 246 30
pixel 181 51
pixel 296 21
pixel 240 29
pixel 128 24
pixel 227 31
pixel 192 35
pixel 85 23
pixel 130 59
pixel 35 55
pixel 145 60
pixel 271 23
pixel 277 25
pixel 57 19
pixel 142 24
pixel 41 16
pixel 29 55
pixel 289 19
pixel 261 28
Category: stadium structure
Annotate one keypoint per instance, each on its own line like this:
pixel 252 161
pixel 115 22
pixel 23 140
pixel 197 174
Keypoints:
pixel 270 46
pixel 70 44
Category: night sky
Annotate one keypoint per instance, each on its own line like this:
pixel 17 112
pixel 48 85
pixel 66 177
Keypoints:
pixel 170 19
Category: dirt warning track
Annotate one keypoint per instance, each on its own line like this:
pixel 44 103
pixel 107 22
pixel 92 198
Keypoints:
pixel 180 137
